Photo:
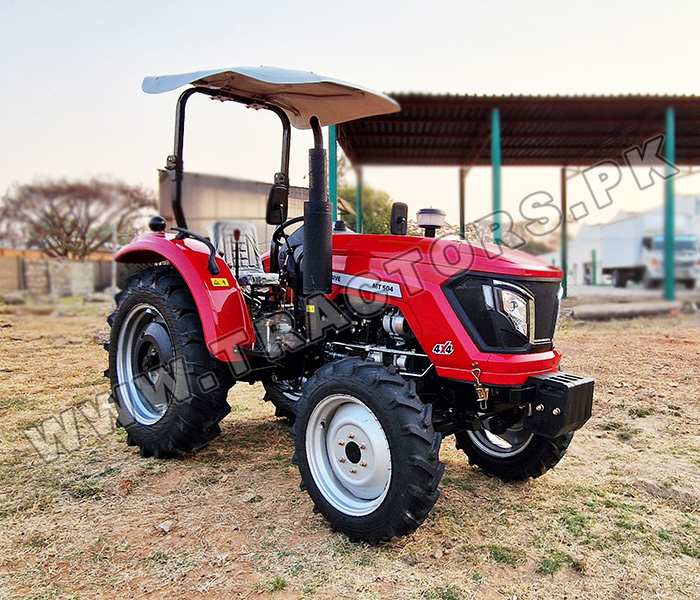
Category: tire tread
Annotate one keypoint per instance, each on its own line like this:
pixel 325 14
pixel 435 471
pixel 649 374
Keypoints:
pixel 195 421
pixel 417 445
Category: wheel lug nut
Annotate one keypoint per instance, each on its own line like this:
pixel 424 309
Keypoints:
pixel 351 435
pixel 362 446
pixel 341 459
pixel 341 443
pixel 363 463
pixel 353 470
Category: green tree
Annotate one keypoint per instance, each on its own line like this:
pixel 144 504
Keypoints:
pixel 376 204
pixel 376 209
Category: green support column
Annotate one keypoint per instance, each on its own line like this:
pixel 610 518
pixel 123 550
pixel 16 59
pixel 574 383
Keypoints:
pixel 669 225
pixel 462 206
pixel 358 199
pixel 333 170
pixel 594 264
pixel 496 169
pixel 564 234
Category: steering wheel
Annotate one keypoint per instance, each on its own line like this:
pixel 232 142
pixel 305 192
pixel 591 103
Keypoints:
pixel 277 237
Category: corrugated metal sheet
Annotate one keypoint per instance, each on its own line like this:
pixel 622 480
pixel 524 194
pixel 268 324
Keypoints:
pixel 535 130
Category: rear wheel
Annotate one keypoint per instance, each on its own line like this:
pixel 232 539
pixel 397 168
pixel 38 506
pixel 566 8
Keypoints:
pixel 284 395
pixel 366 450
pixel 169 392
pixel 514 455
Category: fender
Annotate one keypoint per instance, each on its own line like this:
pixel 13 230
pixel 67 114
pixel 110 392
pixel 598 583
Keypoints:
pixel 222 309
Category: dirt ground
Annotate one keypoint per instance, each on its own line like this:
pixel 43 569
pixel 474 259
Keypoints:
pixel 618 518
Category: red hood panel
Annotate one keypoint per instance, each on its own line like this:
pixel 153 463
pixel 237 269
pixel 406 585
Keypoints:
pixel 456 254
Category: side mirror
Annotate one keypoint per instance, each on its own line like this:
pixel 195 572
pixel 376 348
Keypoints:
pixel 399 218
pixel 277 204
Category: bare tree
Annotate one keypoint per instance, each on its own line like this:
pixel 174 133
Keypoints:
pixel 70 219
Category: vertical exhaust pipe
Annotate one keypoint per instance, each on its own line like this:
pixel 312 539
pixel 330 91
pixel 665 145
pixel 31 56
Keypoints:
pixel 318 242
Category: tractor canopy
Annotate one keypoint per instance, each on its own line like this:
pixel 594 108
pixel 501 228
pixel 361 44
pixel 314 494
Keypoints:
pixel 300 94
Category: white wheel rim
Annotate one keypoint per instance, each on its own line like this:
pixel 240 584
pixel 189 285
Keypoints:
pixel 348 454
pixel 134 386
pixel 508 444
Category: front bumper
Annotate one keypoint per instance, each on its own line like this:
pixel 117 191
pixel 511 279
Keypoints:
pixel 563 403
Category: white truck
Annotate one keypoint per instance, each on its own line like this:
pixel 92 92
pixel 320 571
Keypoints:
pixel 632 249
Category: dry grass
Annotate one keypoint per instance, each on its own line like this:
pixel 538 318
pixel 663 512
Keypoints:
pixel 618 518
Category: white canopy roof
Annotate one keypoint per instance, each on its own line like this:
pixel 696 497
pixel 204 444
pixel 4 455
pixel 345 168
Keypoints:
pixel 300 94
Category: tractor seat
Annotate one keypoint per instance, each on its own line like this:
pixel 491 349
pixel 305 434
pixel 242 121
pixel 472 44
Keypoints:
pixel 250 268
pixel 264 279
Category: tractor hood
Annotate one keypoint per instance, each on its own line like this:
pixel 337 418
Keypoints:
pixel 300 94
pixel 447 254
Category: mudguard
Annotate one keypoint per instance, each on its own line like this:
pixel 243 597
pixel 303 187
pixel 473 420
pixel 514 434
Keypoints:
pixel 222 309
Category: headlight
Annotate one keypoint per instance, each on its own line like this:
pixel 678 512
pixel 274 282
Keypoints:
pixel 506 317
pixel 515 307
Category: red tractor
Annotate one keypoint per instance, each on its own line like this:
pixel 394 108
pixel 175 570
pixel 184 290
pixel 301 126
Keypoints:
pixel 375 346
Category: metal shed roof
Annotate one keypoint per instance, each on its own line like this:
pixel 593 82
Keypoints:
pixel 453 130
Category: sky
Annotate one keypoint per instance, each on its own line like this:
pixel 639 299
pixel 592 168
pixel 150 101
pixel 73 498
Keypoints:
pixel 72 105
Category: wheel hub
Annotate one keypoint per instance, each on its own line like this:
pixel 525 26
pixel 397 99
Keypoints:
pixel 145 347
pixel 153 351
pixel 355 435
pixel 349 454
pixel 353 452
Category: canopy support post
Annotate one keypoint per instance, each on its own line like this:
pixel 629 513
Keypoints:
pixel 462 204
pixel 594 264
pixel 333 170
pixel 496 170
pixel 669 208
pixel 564 234
pixel 358 199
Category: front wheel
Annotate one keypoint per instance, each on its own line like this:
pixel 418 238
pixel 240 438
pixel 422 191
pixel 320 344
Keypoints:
pixel 514 455
pixel 366 450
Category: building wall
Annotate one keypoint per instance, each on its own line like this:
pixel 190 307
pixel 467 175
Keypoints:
pixel 31 271
pixel 210 198
pixel 68 278
pixel 10 274
pixel 36 276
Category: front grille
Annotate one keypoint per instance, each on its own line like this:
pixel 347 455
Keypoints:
pixel 546 294
pixel 491 330
pixel 684 264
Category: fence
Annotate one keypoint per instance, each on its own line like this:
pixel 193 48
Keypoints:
pixel 31 271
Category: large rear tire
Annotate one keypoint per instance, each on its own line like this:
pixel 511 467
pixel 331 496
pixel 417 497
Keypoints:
pixel 366 450
pixel 169 392
pixel 514 455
